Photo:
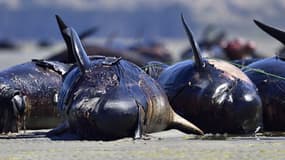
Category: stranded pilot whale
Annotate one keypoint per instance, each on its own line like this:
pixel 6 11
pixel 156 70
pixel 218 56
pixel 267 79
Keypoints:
pixel 268 75
pixel 27 94
pixel 213 94
pixel 108 98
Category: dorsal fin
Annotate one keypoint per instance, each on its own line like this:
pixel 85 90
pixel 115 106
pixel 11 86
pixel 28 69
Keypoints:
pixel 274 32
pixel 67 38
pixel 195 48
pixel 78 51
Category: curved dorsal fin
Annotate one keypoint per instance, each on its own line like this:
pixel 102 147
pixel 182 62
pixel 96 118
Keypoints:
pixel 67 38
pixel 274 32
pixel 78 51
pixel 195 48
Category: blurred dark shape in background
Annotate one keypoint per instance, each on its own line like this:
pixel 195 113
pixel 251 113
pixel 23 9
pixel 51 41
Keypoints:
pixel 154 49
pixel 44 43
pixel 32 20
pixel 239 48
pixel 210 44
pixel 138 57
pixel 281 52
pixel 7 44
pixel 214 44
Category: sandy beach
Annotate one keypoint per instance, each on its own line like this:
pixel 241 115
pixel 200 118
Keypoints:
pixel 163 145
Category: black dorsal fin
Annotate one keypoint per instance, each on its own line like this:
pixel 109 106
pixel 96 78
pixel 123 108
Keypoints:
pixel 195 48
pixel 67 38
pixel 79 53
pixel 274 32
